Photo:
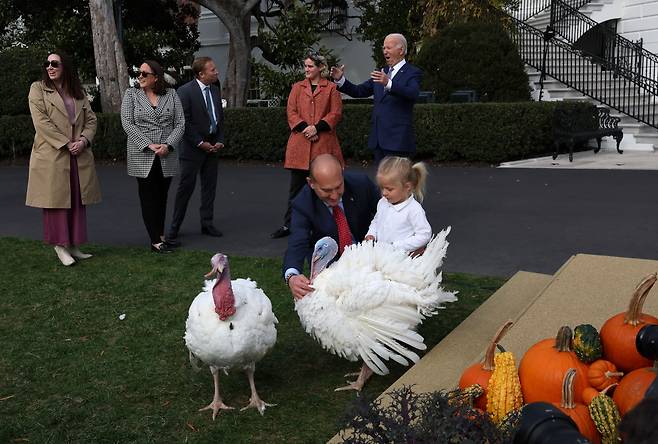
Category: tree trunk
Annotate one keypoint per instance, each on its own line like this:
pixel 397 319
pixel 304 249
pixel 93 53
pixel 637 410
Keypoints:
pixel 236 17
pixel 111 68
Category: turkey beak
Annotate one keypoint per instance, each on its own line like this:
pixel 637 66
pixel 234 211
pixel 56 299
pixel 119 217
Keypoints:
pixel 314 259
pixel 218 269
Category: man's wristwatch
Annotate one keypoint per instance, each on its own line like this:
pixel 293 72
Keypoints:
pixel 287 278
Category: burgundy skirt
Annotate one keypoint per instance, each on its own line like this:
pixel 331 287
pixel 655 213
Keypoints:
pixel 67 226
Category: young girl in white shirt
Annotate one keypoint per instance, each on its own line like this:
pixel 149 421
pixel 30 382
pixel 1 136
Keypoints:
pixel 400 219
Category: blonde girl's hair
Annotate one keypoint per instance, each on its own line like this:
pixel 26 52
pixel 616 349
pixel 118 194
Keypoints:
pixel 405 171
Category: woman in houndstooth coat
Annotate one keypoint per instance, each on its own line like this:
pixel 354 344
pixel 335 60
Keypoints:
pixel 152 117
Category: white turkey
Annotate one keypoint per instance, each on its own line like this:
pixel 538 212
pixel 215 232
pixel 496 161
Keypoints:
pixel 230 325
pixel 368 303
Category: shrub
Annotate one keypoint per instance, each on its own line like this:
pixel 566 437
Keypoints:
pixel 467 132
pixel 410 417
pixel 21 67
pixel 474 55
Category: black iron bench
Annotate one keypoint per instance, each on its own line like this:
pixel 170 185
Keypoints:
pixel 572 125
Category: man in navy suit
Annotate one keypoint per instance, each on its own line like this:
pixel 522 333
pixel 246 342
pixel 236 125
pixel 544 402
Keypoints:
pixel 313 214
pixel 394 90
pixel 204 136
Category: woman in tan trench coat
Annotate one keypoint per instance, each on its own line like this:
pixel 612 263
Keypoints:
pixel 62 176
pixel 314 109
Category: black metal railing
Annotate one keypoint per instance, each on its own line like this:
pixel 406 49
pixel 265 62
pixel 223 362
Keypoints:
pixel 523 10
pixel 619 54
pixel 555 58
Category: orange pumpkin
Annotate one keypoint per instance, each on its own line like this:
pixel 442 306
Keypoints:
pixel 481 372
pixel 590 393
pixel 602 374
pixel 618 333
pixel 633 386
pixel 543 366
pixel 577 411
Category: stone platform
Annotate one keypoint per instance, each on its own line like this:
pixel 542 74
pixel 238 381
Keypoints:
pixel 587 289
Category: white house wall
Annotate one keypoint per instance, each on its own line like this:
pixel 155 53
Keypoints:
pixel 639 19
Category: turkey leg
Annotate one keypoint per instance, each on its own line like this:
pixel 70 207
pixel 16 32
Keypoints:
pixel 255 401
pixel 357 385
pixel 216 405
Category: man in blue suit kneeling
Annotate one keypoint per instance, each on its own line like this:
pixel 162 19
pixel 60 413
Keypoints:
pixel 329 199
pixel 394 89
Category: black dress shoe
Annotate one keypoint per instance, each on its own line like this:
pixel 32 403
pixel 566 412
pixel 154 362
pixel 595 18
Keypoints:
pixel 281 232
pixel 171 243
pixel 211 231
pixel 161 248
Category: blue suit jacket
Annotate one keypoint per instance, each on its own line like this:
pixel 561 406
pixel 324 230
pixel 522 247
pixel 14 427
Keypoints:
pixel 197 120
pixel 311 219
pixel 392 115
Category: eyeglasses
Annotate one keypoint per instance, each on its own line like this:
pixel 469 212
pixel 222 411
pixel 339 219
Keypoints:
pixel 315 56
pixel 144 74
pixel 54 63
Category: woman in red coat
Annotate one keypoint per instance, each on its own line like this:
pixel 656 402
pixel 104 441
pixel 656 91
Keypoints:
pixel 314 109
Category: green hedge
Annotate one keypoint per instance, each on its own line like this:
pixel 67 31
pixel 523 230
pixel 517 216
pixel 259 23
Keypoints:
pixel 469 132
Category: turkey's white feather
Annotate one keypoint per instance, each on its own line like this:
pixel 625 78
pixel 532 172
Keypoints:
pixel 367 304
pixel 241 340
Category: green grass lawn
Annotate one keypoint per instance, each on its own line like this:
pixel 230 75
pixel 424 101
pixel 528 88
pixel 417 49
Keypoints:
pixel 72 371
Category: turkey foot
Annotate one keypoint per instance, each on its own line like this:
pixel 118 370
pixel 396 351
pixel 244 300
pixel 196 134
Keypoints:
pixel 217 404
pixel 357 385
pixel 255 401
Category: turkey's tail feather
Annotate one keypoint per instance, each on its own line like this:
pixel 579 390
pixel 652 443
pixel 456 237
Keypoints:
pixel 435 252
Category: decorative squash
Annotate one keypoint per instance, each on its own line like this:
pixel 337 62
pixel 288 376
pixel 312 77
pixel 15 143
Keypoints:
pixel 618 333
pixel 543 366
pixel 633 386
pixel 504 388
pixel 576 411
pixel 480 373
pixel 602 374
pixel 606 417
pixel 587 343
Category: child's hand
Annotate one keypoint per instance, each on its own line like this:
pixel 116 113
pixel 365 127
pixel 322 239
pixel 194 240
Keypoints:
pixel 369 237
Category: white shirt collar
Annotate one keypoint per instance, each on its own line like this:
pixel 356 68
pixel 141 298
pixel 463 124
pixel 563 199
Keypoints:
pixel 202 85
pixel 398 65
pixel 400 206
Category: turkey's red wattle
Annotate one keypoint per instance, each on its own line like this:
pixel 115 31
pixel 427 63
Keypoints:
pixel 222 295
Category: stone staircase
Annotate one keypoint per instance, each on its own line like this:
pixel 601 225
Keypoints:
pixel 638 136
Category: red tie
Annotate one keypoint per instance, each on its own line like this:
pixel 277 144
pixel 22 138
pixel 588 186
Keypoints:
pixel 344 234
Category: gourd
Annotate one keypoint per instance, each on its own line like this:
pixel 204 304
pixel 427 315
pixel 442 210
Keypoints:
pixel 618 333
pixel 543 366
pixel 602 374
pixel 504 393
pixel 575 410
pixel 606 417
pixel 480 373
pixel 587 343
pixel 633 386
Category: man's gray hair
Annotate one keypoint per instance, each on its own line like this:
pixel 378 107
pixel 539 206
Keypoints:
pixel 402 41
